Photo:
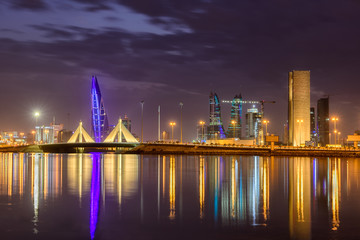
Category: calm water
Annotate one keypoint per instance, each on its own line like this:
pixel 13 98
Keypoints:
pixel 109 196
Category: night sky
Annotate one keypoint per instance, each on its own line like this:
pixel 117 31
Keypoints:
pixel 166 52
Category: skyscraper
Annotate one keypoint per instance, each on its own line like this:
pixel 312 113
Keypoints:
pixel 215 129
pixel 235 119
pixel 99 119
pixel 323 121
pixel 299 107
pixel 312 125
pixel 253 121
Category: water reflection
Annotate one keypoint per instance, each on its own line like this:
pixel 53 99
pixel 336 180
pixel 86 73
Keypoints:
pixel 233 191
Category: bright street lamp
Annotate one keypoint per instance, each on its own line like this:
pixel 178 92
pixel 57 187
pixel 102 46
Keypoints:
pixel 300 122
pixel 172 124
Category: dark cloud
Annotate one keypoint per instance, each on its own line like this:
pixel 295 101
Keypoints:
pixel 94 5
pixel 52 31
pixel 34 5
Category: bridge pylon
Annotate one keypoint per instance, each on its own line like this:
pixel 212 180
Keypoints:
pixel 80 134
pixel 119 132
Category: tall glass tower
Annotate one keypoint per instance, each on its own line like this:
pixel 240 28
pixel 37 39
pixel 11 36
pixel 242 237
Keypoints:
pixel 99 119
pixel 234 129
pixel 215 129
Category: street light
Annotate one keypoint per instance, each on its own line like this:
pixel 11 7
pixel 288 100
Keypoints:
pixel 202 123
pixel 300 122
pixel 172 124
pixel 233 122
pixel 142 118
pixel 335 132
pixel 181 129
pixel 335 119
pixel 339 137
pixel 266 124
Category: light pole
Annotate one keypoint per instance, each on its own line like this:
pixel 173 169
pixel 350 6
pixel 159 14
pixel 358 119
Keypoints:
pixel 335 119
pixel 330 138
pixel 202 130
pixel 339 137
pixel 181 129
pixel 172 124
pixel 142 118
pixel 300 122
pixel 233 122
pixel 266 125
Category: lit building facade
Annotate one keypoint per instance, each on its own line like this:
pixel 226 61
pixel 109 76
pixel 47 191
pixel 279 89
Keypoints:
pixel 216 128
pixel 99 119
pixel 323 121
pixel 44 134
pixel 299 107
pixel 313 133
pixel 253 122
pixel 127 122
pixel 234 129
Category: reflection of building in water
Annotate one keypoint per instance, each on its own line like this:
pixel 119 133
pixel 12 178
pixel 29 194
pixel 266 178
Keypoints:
pixel 258 191
pixel 172 187
pixel 95 193
pixel 300 198
pixel 202 180
pixel 334 191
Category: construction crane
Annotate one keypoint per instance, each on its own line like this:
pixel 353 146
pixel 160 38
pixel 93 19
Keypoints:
pixel 260 139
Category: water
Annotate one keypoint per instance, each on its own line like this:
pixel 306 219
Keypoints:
pixel 110 196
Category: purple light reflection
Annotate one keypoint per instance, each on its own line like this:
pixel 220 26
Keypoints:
pixel 95 193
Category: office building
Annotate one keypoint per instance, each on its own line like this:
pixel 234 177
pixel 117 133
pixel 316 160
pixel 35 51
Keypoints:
pixel 215 128
pixel 44 134
pixel 127 122
pixel 323 121
pixel 313 132
pixel 99 119
pixel 234 129
pixel 253 122
pixel 299 107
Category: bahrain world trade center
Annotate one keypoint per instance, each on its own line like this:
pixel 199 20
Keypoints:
pixel 299 107
pixel 99 119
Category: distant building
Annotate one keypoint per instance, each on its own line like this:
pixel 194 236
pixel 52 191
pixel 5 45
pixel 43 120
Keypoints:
pixel 201 132
pixel 323 121
pixel 215 128
pixel 57 128
pixel 44 134
pixel 127 123
pixel 165 136
pixel 313 132
pixel 299 107
pixel 253 122
pixel 64 136
pixel 235 118
pixel 99 118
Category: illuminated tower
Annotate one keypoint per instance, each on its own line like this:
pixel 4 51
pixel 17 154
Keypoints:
pixel 99 120
pixel 235 119
pixel 299 107
pixel 215 129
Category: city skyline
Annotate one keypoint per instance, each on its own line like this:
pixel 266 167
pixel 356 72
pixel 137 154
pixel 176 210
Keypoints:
pixel 153 53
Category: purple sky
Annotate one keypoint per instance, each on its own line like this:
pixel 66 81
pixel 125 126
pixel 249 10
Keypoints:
pixel 164 52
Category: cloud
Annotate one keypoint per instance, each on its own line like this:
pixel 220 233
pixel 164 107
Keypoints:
pixel 34 5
